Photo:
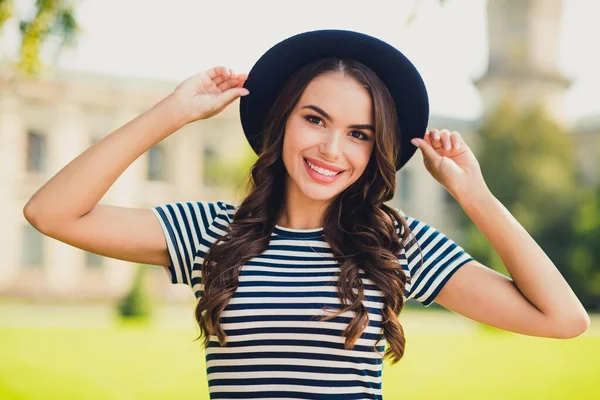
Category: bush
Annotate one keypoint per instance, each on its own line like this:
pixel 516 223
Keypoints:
pixel 136 303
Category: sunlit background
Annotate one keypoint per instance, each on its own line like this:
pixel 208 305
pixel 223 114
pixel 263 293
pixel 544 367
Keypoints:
pixel 518 78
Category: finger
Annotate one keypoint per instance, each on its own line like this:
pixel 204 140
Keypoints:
pixel 228 84
pixel 428 151
pixel 217 71
pixel 455 138
pixel 231 83
pixel 445 139
pixel 244 79
pixel 208 83
pixel 221 78
pixel 429 137
pixel 436 139
pixel 228 97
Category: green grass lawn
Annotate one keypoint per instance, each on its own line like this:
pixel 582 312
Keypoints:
pixel 156 362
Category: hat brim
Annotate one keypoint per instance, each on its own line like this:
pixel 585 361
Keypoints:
pixel 270 73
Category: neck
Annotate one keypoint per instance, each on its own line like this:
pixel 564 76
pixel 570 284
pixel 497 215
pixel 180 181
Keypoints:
pixel 301 212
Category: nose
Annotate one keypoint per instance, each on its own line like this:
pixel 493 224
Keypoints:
pixel 331 146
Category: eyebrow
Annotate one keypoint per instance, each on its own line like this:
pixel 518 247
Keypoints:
pixel 323 113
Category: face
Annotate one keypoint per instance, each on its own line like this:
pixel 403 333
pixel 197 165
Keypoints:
pixel 329 137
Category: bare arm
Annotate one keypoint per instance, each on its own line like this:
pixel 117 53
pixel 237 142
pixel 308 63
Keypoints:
pixel 79 186
pixel 536 299
pixel 66 207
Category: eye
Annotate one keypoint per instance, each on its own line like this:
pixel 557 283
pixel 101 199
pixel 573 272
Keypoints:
pixel 311 118
pixel 362 137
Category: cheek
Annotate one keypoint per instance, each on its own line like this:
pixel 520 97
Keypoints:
pixel 359 157
pixel 301 138
pixel 292 146
pixel 297 140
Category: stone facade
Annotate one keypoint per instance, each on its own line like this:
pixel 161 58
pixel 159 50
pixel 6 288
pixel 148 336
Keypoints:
pixel 45 123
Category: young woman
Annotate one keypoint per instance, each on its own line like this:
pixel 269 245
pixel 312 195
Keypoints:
pixel 300 286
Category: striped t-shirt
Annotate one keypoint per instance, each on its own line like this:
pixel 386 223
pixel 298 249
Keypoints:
pixel 276 346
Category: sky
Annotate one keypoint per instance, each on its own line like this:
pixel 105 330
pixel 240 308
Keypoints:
pixel 173 39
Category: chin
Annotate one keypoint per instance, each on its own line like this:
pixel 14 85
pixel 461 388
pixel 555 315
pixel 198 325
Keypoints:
pixel 319 192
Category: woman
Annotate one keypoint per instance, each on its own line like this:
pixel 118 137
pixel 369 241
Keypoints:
pixel 299 287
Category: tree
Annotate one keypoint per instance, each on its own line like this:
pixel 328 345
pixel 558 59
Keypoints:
pixel 226 172
pixel 415 10
pixel 527 160
pixel 583 256
pixel 51 18
pixel 57 18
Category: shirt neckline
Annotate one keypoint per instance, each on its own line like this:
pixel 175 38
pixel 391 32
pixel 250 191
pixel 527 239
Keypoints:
pixel 298 233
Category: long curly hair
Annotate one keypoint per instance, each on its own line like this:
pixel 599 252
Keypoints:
pixel 362 231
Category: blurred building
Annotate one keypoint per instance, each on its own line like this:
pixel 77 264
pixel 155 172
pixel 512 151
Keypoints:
pixel 46 123
pixel 523 63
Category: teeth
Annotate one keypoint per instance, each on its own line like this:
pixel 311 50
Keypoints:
pixel 320 170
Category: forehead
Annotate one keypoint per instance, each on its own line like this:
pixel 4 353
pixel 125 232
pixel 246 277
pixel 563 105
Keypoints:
pixel 341 96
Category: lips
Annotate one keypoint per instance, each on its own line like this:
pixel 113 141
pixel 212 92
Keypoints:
pixel 314 171
pixel 323 179
pixel 323 165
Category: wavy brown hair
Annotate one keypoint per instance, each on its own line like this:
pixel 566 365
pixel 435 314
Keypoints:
pixel 360 229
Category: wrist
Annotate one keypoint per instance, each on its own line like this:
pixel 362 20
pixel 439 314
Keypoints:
pixel 469 195
pixel 176 109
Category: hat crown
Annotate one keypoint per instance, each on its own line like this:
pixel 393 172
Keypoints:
pixel 273 69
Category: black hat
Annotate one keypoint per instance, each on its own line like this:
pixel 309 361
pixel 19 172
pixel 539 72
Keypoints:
pixel 270 73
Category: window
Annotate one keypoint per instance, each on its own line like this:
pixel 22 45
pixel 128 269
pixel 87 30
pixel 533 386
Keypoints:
pixel 157 163
pixel 36 152
pixel 93 260
pixel 406 185
pixel 32 250
pixel 448 198
pixel 211 166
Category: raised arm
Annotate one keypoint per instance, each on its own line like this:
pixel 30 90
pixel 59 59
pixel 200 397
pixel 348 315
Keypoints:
pixel 66 207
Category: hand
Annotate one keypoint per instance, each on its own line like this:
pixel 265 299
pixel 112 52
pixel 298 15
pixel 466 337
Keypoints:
pixel 450 161
pixel 208 93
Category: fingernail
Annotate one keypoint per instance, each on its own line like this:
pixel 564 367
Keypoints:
pixel 415 142
pixel 245 92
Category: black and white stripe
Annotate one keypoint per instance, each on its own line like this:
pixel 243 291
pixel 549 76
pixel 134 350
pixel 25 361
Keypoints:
pixel 276 346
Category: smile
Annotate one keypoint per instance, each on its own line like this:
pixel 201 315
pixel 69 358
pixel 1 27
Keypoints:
pixel 320 170
pixel 321 175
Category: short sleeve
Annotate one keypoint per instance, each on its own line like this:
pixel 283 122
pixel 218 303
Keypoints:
pixel 441 257
pixel 190 228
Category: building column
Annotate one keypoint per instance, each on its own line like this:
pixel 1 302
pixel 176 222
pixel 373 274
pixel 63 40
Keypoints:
pixel 68 137
pixel 13 142
pixel 124 193
pixel 184 158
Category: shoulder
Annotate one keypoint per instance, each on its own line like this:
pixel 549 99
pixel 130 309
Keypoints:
pixel 198 212
pixel 226 209
pixel 400 228
pixel 418 231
